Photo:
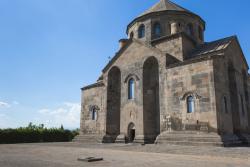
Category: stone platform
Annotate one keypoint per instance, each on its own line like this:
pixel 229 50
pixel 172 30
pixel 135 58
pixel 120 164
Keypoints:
pixel 88 138
pixel 197 138
pixel 188 138
pixel 121 155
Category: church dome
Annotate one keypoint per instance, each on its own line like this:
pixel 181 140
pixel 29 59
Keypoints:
pixel 166 18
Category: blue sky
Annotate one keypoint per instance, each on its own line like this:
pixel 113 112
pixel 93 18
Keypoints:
pixel 49 49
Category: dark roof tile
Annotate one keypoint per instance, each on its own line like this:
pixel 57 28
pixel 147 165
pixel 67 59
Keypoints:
pixel 210 47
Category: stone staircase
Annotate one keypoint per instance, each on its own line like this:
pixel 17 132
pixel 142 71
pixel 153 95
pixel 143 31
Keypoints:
pixel 196 138
pixel 245 138
pixel 192 138
pixel 88 138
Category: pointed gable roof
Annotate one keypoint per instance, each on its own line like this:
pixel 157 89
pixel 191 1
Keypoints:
pixel 165 5
pixel 128 43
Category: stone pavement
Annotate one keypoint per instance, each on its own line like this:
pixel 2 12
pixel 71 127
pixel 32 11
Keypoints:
pixel 120 155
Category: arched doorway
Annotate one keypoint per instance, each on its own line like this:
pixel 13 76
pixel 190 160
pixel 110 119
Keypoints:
pixel 151 113
pixel 131 132
pixel 113 102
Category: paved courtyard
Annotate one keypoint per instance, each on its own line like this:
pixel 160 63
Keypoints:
pixel 120 155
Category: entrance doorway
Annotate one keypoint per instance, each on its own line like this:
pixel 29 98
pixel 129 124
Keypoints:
pixel 131 132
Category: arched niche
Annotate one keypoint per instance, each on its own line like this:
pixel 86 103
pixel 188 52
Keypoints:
pixel 151 109
pixel 113 102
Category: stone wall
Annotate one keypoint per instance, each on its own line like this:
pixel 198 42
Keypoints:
pixel 194 79
pixel 249 104
pixel 131 64
pixel 237 61
pixel 178 46
pixel 223 96
pixel 93 97
pixel 165 20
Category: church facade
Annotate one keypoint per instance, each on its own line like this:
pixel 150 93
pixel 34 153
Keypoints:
pixel 165 79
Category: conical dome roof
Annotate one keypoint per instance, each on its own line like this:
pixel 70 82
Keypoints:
pixel 165 5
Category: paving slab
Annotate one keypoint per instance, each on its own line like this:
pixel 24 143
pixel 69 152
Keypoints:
pixel 66 154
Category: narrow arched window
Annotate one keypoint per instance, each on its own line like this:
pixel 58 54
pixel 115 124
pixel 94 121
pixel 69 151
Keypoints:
pixel 168 29
pixel 141 31
pixel 131 35
pixel 94 114
pixel 157 29
pixel 200 33
pixel 190 104
pixel 242 105
pixel 189 29
pixel 131 89
pixel 225 104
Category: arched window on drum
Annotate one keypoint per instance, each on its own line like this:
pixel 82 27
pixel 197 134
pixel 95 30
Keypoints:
pixel 141 31
pixel 157 30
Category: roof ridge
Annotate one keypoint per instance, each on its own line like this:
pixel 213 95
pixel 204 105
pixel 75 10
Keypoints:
pixel 177 5
pixel 221 39
pixel 213 46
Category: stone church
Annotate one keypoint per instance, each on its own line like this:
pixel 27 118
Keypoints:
pixel 167 85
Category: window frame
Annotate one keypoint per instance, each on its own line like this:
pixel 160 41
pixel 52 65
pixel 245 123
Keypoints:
pixel 225 104
pixel 201 35
pixel 190 104
pixel 94 113
pixel 190 29
pixel 131 35
pixel 131 89
pixel 242 105
pixel 141 31
pixel 157 26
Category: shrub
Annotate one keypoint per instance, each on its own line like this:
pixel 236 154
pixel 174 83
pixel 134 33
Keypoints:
pixel 34 134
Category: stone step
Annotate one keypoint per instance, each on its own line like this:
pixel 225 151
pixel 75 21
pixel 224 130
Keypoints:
pixel 192 139
pixel 190 132
pixel 193 136
pixel 245 138
pixel 88 138
pixel 193 143
pixel 189 138
pixel 196 138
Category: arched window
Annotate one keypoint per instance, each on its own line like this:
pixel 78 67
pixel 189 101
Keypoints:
pixel 131 35
pixel 200 33
pixel 190 104
pixel 189 29
pixel 157 29
pixel 141 31
pixel 131 89
pixel 242 105
pixel 94 114
pixel 245 80
pixel 225 104
pixel 169 28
